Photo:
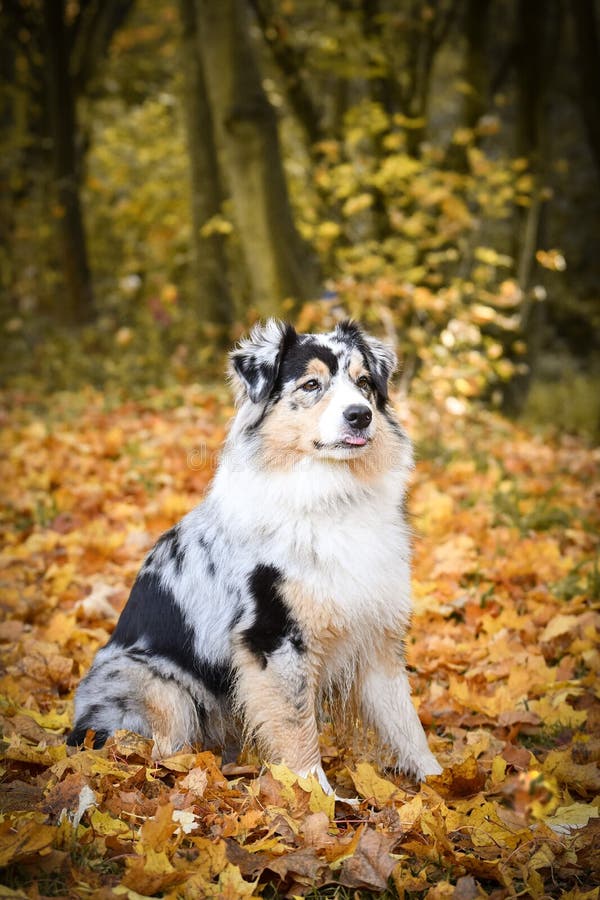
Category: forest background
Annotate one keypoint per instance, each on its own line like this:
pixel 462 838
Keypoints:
pixel 171 171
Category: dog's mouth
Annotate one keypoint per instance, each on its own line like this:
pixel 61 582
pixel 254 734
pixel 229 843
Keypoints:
pixel 346 442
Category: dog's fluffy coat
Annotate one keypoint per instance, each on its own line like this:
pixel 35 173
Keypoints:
pixel 289 583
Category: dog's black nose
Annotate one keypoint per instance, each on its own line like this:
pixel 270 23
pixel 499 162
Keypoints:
pixel 357 415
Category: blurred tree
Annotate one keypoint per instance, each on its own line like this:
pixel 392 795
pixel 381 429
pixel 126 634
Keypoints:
pixel 73 49
pixel 291 61
pixel 588 46
pixel 278 264
pixel 477 17
pixel 66 166
pixel 214 302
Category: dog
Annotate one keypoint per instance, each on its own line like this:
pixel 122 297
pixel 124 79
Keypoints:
pixel 289 584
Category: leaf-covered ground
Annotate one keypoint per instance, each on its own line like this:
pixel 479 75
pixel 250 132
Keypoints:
pixel 504 647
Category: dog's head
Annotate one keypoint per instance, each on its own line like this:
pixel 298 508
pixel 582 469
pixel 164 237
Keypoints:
pixel 319 394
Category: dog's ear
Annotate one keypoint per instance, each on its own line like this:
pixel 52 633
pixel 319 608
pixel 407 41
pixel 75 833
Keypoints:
pixel 255 362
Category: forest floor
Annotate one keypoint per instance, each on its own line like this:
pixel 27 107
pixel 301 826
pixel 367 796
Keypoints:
pixel 503 649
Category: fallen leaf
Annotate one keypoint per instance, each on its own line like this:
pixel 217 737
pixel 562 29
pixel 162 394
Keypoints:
pixel 20 839
pixel 371 865
pixel 372 787
pixel 567 818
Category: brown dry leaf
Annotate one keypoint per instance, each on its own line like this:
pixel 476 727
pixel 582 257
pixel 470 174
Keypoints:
pixel 195 781
pixel 371 865
pixel 151 873
pixel 304 863
pixel 65 795
pixel 18 795
pixel 315 830
pixel 518 757
pixel 585 779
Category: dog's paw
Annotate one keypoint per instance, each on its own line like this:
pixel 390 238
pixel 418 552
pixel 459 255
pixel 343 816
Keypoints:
pixel 419 768
pixel 428 766
pixel 321 777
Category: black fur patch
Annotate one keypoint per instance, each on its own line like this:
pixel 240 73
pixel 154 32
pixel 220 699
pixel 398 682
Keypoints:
pixel 77 735
pixel 273 622
pixel 210 565
pixel 295 361
pixel 171 540
pixel 152 616
pixel 259 376
pixel 217 677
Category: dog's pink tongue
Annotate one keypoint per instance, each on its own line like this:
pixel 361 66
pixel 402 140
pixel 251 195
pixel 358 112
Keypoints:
pixel 355 441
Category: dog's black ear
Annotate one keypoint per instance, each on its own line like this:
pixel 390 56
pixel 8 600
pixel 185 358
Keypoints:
pixel 255 362
pixel 379 357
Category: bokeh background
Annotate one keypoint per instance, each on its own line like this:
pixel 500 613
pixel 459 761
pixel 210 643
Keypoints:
pixel 171 171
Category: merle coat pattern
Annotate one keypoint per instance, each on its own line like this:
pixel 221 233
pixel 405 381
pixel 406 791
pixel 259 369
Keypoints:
pixel 290 583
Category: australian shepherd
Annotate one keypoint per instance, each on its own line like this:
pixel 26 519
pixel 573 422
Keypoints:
pixel 290 583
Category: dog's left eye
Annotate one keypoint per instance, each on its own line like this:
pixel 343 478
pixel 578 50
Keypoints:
pixel 363 383
pixel 311 385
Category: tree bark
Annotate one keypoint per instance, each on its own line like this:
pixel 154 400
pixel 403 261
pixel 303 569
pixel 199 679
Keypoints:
pixel 279 266
pixel 78 300
pixel 586 33
pixel 476 73
pixel 214 301
pixel 90 37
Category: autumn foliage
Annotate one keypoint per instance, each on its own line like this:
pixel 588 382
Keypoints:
pixel 503 647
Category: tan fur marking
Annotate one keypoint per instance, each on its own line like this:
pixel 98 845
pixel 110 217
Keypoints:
pixel 168 710
pixel 357 366
pixel 288 434
pixel 317 368
pixel 285 727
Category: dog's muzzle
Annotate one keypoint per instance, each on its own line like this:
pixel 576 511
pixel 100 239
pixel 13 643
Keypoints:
pixel 359 417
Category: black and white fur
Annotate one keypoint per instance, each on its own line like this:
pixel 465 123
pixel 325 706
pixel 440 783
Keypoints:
pixel 290 583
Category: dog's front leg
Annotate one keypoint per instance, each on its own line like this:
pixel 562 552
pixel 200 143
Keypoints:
pixel 276 699
pixel 387 706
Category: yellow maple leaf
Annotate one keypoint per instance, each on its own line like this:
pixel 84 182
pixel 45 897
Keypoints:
pixel 50 721
pixel 319 801
pixel 212 858
pixel 105 824
pixel 372 786
pixel 567 818
pixel 231 885
pixel 20 839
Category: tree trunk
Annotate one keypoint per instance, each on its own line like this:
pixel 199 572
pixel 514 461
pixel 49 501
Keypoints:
pixel 476 73
pixel 538 26
pixel 588 50
pixel 278 264
pixel 214 301
pixel 78 301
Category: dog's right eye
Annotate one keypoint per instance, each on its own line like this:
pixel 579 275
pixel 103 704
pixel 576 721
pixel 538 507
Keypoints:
pixel 311 385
